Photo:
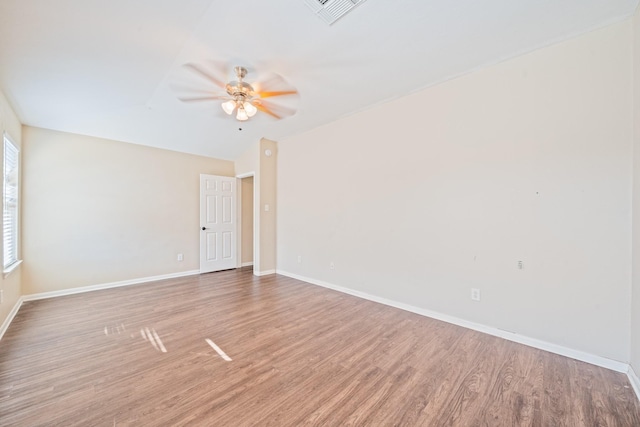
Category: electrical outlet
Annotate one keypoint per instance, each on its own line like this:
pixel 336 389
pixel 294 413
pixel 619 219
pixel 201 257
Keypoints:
pixel 475 294
pixel 299 259
pixel 1 296
pixel 332 265
pixel 520 265
pixel 180 257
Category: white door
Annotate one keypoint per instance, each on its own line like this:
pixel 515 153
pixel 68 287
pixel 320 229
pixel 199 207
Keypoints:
pixel 217 223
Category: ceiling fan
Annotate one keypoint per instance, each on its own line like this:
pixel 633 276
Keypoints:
pixel 242 98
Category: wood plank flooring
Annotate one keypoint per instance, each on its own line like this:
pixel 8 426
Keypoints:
pixel 301 355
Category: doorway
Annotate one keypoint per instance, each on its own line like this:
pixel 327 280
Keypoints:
pixel 247 229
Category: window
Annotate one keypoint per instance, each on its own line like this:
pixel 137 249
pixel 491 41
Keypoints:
pixel 10 204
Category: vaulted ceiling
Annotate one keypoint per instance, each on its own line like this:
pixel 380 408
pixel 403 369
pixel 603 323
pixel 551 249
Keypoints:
pixel 109 68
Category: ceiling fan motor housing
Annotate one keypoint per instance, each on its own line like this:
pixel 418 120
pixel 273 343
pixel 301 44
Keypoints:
pixel 240 89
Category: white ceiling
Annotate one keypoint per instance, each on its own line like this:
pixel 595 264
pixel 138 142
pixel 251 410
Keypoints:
pixel 106 68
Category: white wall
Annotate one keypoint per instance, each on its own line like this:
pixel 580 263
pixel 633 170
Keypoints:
pixel 423 198
pixel 11 284
pixel 635 307
pixel 98 211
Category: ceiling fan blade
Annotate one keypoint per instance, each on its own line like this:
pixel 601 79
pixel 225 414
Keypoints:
pixel 271 82
pixel 204 73
pixel 277 93
pixel 190 93
pixel 277 111
pixel 202 98
pixel 268 111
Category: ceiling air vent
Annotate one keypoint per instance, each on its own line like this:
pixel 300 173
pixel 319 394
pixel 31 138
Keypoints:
pixel 332 10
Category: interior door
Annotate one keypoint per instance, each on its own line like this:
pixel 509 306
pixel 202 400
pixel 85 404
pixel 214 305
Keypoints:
pixel 218 224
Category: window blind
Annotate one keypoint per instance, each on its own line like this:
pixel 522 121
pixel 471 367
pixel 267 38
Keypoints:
pixel 10 203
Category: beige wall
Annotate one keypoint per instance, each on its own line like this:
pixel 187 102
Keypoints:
pixel 98 211
pixel 10 285
pixel 268 168
pixel 264 168
pixel 635 308
pixel 421 199
pixel 247 220
pixel 249 163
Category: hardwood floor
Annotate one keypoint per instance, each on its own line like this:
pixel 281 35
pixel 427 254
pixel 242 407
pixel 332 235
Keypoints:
pixel 300 355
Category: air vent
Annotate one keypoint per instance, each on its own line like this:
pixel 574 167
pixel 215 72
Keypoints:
pixel 332 10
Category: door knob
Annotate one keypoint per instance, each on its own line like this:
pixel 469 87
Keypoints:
pixel 204 228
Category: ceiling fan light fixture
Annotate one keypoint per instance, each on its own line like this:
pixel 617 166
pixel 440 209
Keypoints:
pixel 242 114
pixel 249 108
pixel 229 106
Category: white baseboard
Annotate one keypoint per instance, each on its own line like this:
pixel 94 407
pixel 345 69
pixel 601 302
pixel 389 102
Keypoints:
pixel 9 319
pixel 531 342
pixel 634 380
pixel 246 264
pixel 82 289
pixel 264 273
